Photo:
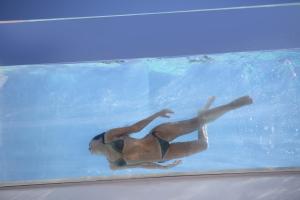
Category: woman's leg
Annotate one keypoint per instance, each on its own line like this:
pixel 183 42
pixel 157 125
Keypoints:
pixel 214 113
pixel 182 149
pixel 169 131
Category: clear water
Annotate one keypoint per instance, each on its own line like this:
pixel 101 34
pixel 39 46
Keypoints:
pixel 49 113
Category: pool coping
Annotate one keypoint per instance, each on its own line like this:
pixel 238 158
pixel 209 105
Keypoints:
pixel 137 177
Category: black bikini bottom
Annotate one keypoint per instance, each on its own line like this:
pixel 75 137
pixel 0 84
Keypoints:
pixel 164 145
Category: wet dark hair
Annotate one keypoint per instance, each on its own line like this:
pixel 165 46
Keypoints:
pixel 100 136
pixel 97 137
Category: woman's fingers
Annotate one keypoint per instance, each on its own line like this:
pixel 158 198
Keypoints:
pixel 175 163
pixel 165 113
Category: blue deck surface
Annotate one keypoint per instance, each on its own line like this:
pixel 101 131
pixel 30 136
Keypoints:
pixel 50 112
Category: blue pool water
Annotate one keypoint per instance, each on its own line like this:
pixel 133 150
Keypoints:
pixel 49 113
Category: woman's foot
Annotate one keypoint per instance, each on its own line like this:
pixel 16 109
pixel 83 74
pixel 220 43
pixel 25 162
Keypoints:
pixel 242 101
pixel 210 100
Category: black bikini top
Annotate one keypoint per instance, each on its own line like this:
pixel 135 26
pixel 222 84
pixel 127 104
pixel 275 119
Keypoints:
pixel 117 145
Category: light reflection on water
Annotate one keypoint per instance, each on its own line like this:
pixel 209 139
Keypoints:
pixel 50 112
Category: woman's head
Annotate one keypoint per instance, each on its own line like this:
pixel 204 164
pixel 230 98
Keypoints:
pixel 97 145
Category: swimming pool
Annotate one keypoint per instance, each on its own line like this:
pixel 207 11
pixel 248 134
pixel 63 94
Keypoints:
pixel 50 112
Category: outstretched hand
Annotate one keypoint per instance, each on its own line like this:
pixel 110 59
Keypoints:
pixel 173 164
pixel 165 113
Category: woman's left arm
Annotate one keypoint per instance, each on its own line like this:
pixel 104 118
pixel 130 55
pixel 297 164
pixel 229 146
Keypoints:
pixel 147 165
pixel 119 132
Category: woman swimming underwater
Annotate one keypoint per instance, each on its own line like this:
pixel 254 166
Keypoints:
pixel 123 151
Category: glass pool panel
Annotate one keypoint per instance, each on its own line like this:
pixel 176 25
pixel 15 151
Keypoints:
pixel 50 112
